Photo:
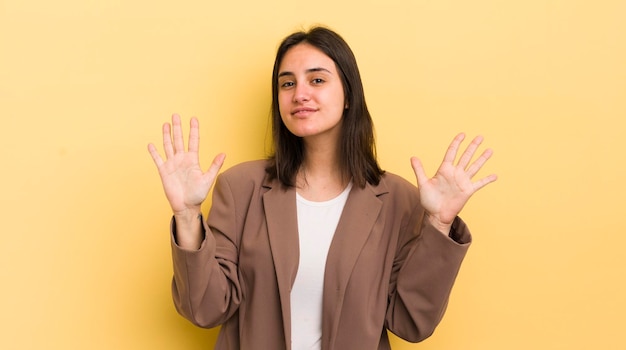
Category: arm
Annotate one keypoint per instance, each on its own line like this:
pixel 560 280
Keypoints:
pixel 434 242
pixel 205 287
pixel 424 271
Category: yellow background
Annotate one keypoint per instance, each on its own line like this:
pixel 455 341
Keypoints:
pixel 86 84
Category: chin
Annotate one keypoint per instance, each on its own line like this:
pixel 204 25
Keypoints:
pixel 299 132
pixel 303 134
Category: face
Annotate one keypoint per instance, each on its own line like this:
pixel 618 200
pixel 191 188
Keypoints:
pixel 310 94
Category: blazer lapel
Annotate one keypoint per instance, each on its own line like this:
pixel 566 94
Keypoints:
pixel 359 215
pixel 282 228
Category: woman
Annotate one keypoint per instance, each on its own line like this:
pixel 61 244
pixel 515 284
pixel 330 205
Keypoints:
pixel 316 247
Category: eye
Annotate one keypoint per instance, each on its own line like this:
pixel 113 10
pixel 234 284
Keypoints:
pixel 318 81
pixel 287 84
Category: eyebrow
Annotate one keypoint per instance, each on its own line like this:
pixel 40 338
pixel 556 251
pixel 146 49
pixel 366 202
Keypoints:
pixel 310 70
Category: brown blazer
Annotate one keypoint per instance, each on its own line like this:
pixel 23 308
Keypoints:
pixel 387 268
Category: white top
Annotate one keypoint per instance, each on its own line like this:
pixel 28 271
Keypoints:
pixel 317 222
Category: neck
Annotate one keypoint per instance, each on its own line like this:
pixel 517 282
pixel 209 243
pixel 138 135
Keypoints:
pixel 320 177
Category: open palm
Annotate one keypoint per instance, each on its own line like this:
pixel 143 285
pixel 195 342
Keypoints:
pixel 186 185
pixel 446 193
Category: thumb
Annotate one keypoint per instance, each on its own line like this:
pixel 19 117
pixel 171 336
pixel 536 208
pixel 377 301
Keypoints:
pixel 418 168
pixel 215 167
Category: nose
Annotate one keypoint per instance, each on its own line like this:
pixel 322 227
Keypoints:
pixel 301 93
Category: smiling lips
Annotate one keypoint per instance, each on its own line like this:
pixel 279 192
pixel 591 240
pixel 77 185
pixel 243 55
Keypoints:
pixel 302 111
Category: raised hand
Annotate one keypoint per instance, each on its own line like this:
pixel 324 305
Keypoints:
pixel 186 185
pixel 445 194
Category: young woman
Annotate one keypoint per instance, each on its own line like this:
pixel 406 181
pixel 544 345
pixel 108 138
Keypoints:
pixel 315 247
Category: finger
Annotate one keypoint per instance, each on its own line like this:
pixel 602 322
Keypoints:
pixel 484 182
pixel 215 167
pixel 418 168
pixel 478 164
pixel 167 141
pixel 194 135
pixel 156 157
pixel 179 145
pixel 469 152
pixel 453 148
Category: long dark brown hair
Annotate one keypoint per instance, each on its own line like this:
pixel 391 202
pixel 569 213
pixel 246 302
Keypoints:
pixel 357 147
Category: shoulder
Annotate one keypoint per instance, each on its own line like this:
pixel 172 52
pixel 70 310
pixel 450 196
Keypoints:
pixel 396 183
pixel 250 171
pixel 397 192
pixel 241 183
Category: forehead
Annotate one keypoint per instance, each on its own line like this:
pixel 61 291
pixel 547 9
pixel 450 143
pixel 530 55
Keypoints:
pixel 303 57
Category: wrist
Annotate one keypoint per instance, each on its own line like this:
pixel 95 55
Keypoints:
pixel 188 215
pixel 189 229
pixel 442 227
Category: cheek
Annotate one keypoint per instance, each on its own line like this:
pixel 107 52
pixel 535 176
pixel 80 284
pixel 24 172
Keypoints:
pixel 339 103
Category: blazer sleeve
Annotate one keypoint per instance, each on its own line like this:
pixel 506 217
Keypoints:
pixel 206 288
pixel 425 268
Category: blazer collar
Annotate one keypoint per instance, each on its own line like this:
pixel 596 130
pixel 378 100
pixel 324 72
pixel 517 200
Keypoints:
pixel 357 220
pixel 282 227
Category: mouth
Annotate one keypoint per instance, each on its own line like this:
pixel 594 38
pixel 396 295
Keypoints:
pixel 302 111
